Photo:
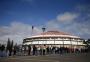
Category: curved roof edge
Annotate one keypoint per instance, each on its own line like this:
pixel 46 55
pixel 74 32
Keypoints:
pixel 55 34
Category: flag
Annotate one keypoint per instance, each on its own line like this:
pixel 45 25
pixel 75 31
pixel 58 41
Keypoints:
pixel 32 30
pixel 32 27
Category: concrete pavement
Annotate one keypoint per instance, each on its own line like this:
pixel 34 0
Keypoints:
pixel 81 57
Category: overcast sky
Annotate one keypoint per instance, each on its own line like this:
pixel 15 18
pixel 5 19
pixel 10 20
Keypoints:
pixel 18 16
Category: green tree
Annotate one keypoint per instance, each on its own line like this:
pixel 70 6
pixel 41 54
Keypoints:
pixel 11 48
pixel 87 45
pixel 12 44
pixel 15 48
pixel 2 47
pixel 8 44
pixel 87 42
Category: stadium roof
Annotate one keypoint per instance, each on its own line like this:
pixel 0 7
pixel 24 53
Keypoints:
pixel 55 34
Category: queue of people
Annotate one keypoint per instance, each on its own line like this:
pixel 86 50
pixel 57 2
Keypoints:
pixel 35 51
pixel 8 51
pixel 43 50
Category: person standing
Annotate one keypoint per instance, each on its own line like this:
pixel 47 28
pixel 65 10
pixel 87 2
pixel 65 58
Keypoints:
pixel 44 49
pixel 38 50
pixel 29 50
pixel 34 50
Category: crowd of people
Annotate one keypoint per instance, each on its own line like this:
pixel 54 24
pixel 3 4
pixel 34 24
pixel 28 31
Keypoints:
pixel 6 51
pixel 34 50
pixel 43 50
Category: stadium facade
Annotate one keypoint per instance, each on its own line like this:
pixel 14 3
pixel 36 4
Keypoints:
pixel 55 38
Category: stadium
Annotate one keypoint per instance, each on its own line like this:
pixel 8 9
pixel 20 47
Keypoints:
pixel 56 39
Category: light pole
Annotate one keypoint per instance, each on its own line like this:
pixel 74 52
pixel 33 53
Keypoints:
pixel 43 29
pixel 71 44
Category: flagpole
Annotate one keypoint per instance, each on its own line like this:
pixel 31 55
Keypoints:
pixel 32 31
pixel 32 34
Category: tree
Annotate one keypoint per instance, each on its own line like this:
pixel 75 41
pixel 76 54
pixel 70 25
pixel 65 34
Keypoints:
pixel 8 44
pixel 2 47
pixel 29 49
pixel 87 42
pixel 11 48
pixel 87 45
pixel 12 44
pixel 15 49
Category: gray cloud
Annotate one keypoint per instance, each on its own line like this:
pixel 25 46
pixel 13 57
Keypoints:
pixel 17 31
pixel 67 16
pixel 74 22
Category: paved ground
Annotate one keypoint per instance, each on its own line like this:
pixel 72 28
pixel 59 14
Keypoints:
pixel 49 58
